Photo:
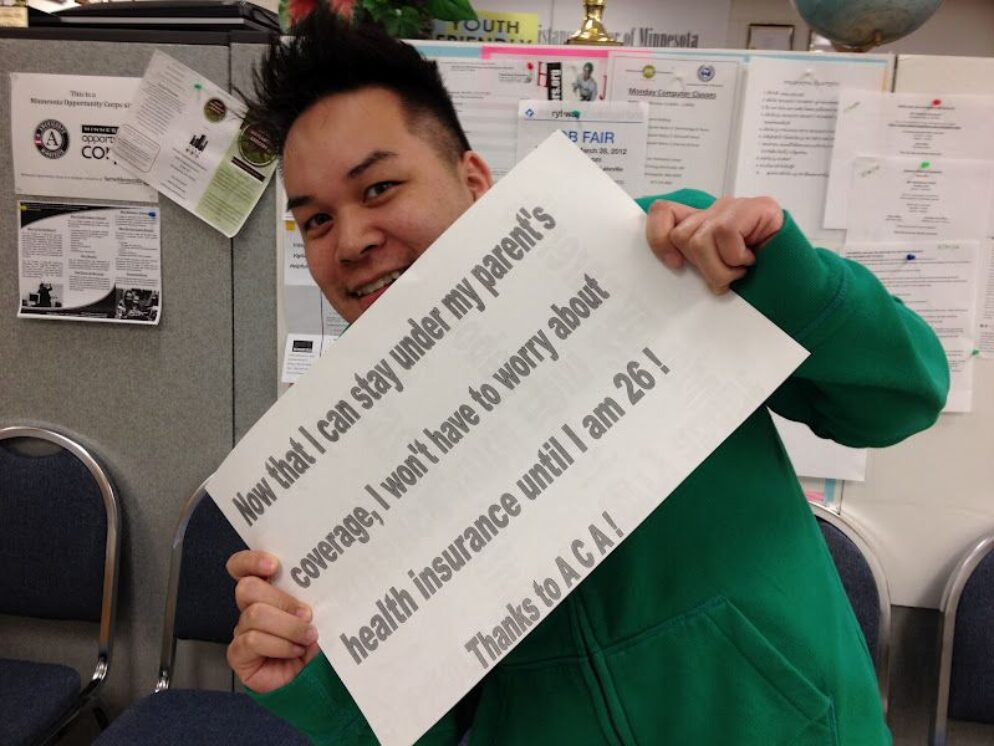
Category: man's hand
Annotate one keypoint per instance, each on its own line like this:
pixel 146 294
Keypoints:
pixel 720 241
pixel 274 639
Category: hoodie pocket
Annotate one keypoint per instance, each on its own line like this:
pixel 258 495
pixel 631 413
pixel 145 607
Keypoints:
pixel 711 677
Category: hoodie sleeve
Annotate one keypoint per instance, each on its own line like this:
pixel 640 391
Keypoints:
pixel 318 705
pixel 876 373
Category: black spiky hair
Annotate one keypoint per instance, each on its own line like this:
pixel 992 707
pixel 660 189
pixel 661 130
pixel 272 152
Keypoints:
pixel 327 56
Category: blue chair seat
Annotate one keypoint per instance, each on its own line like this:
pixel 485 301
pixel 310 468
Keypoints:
pixel 196 716
pixel 32 697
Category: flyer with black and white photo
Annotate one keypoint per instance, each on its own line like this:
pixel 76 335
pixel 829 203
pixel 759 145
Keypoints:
pixel 89 262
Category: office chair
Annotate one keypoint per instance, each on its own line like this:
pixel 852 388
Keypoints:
pixel 59 547
pixel 200 605
pixel 966 651
pixel 866 587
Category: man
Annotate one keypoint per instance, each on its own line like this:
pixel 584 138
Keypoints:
pixel 721 619
pixel 584 85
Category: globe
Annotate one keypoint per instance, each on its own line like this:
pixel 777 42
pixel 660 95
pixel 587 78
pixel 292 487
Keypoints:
pixel 859 25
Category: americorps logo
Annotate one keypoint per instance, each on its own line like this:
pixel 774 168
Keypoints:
pixel 52 138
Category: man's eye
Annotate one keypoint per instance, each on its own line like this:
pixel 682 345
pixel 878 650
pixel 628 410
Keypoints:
pixel 315 222
pixel 380 188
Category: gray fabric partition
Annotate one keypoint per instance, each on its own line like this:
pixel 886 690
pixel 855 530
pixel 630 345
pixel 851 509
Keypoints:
pixel 155 404
pixel 254 271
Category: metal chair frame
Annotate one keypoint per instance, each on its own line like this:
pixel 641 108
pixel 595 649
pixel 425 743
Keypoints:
pixel 112 550
pixel 174 713
pixel 167 656
pixel 947 632
pixel 856 536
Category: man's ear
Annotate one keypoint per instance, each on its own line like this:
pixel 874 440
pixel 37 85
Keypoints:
pixel 475 173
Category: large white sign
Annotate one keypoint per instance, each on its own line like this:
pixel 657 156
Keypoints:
pixel 518 402
pixel 62 133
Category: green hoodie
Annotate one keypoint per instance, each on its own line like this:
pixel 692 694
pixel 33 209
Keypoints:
pixel 721 619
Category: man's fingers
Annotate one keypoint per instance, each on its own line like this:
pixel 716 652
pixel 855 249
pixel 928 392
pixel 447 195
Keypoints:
pixel 702 251
pixel 662 217
pixel 253 590
pixel 247 649
pixel 731 246
pixel 252 562
pixel 262 617
pixel 715 247
pixel 685 230
pixel 720 242
pixel 722 286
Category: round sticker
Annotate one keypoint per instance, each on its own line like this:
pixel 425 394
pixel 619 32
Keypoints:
pixel 215 109
pixel 255 145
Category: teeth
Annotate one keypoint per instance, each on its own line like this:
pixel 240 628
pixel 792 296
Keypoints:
pixel 374 286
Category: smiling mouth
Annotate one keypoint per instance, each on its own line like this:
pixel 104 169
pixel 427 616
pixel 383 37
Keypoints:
pixel 376 285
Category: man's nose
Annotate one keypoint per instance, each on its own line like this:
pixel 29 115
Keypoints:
pixel 357 234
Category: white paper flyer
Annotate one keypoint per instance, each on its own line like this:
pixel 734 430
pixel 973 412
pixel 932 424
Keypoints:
pixel 188 138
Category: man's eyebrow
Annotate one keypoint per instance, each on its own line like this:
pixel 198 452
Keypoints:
pixel 293 202
pixel 354 173
pixel 368 162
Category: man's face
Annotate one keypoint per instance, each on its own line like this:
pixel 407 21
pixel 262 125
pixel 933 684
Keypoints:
pixel 370 195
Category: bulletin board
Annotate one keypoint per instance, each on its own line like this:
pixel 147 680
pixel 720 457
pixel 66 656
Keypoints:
pixel 930 498
pixel 923 501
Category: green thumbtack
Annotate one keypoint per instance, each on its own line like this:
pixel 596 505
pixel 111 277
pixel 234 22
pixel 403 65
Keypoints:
pixel 976 351
pixel 198 86
pixel 925 164
pixel 576 113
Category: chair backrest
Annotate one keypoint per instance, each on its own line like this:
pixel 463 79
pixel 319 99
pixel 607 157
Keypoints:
pixel 866 587
pixel 966 653
pixel 60 534
pixel 200 603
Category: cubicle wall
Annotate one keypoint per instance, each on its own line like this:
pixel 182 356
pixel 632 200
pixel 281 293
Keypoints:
pixel 156 403
pixel 254 267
